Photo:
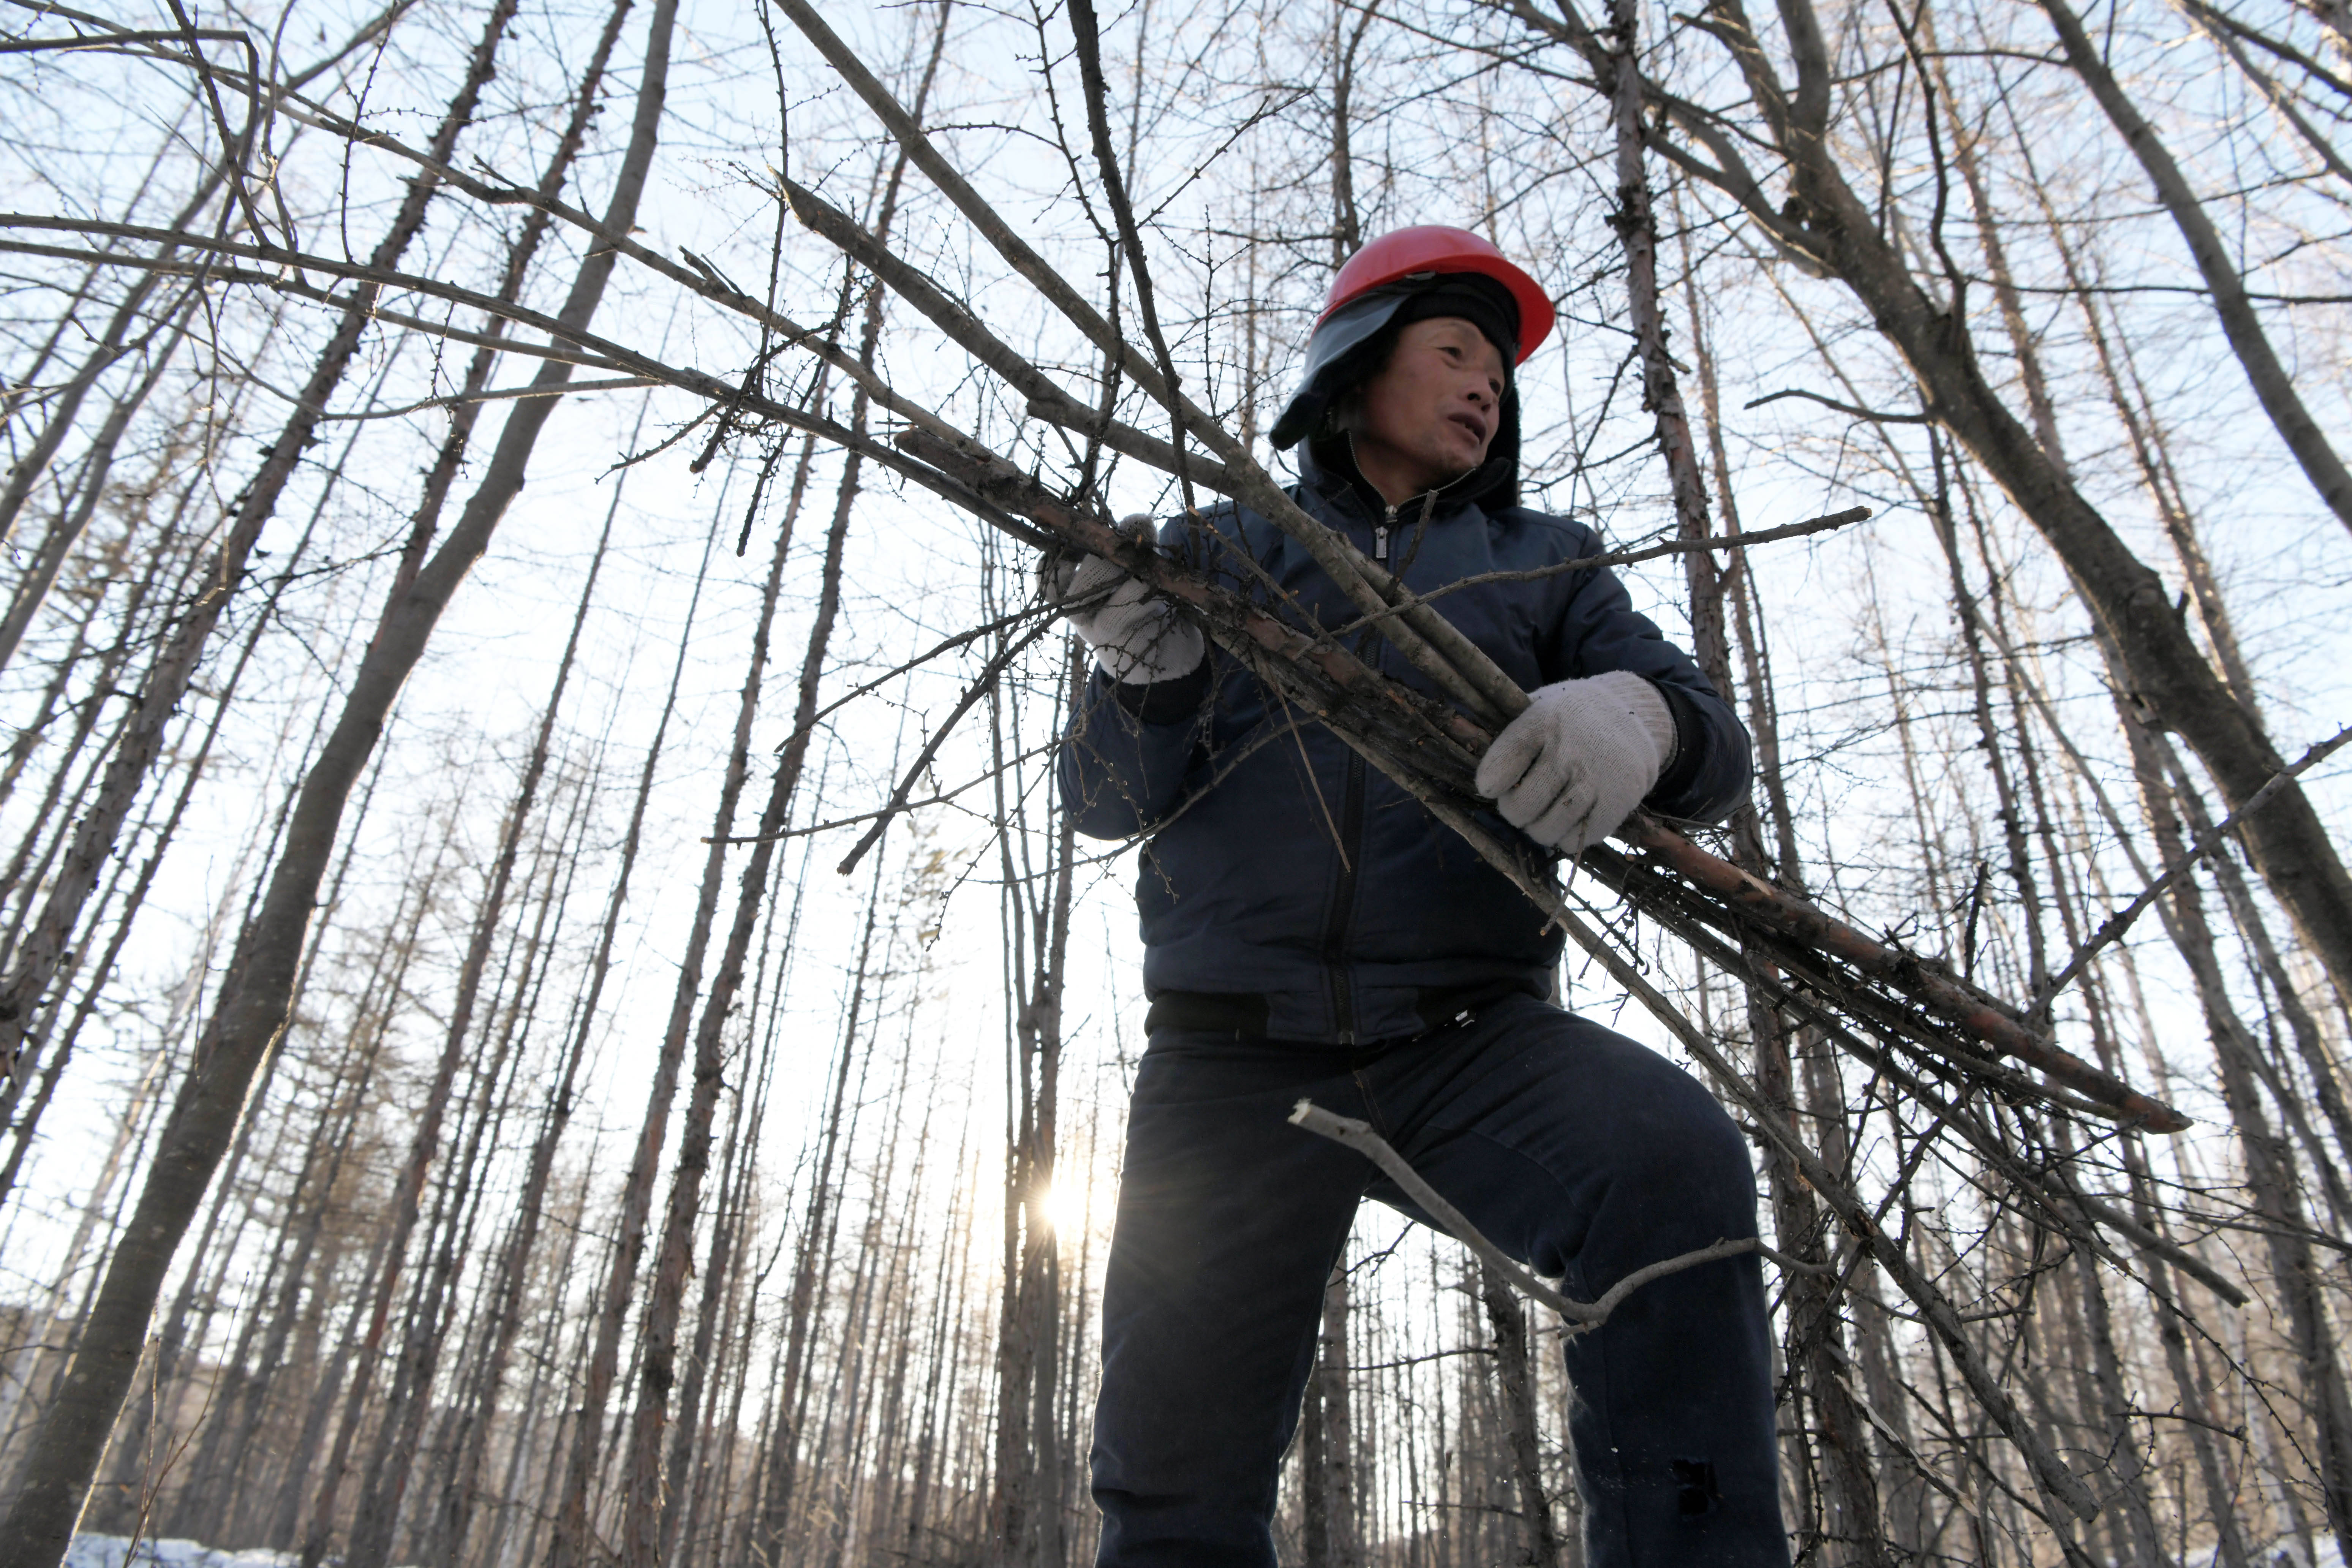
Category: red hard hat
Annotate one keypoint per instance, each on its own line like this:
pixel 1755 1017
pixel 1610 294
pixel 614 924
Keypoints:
pixel 1433 247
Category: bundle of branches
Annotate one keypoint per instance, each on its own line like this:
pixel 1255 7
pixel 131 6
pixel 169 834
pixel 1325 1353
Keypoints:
pixel 1987 1072
pixel 1907 1014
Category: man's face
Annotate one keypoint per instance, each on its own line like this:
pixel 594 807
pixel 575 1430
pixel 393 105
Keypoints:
pixel 1429 416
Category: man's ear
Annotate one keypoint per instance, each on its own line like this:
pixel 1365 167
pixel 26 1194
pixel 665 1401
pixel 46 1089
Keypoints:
pixel 1344 413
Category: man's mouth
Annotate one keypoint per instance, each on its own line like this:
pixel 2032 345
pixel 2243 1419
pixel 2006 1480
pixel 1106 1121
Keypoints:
pixel 1474 428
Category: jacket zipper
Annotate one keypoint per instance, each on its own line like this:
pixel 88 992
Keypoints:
pixel 1343 918
pixel 1351 835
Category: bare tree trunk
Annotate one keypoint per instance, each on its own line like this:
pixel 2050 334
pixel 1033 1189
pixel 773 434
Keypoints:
pixel 571 1544
pixel 2269 1171
pixel 1347 41
pixel 2220 1499
pixel 455 1508
pixel 62 800
pixel 242 1413
pixel 738 1167
pixel 1025 1524
pixel 1852 1524
pixel 388 1471
pixel 768 1523
pixel 1514 1371
pixel 58 1044
pixel 170 1343
pixel 287 1518
pixel 114 343
pixel 42 576
pixel 2012 815
pixel 1823 221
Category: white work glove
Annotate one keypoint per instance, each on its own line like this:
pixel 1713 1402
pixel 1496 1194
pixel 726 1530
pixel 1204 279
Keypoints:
pixel 1136 636
pixel 1573 767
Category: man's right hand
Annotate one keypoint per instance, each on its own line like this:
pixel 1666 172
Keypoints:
pixel 1135 635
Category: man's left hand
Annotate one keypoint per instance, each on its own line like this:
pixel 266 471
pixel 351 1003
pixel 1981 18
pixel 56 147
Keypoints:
pixel 1569 771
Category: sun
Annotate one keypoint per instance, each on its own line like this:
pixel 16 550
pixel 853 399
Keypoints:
pixel 1067 1206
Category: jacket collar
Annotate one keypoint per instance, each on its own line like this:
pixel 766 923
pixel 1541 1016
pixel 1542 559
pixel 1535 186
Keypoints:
pixel 1326 467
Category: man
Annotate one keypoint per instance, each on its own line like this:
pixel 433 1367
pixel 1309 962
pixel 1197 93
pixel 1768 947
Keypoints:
pixel 1311 932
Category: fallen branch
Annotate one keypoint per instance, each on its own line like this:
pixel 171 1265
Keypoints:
pixel 1581 1316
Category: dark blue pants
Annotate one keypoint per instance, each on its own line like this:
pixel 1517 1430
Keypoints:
pixel 1574 1148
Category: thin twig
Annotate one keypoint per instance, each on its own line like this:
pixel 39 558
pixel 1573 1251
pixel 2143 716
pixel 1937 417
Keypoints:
pixel 1851 514
pixel 1876 417
pixel 454 399
pixel 944 797
pixel 996 666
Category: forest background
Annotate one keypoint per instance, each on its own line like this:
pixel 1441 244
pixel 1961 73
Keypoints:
pixel 611 1193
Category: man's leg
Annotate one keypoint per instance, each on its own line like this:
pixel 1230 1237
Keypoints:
pixel 1229 1221
pixel 1588 1156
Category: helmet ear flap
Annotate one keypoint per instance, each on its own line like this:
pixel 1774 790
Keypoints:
pixel 1346 349
pixel 1338 420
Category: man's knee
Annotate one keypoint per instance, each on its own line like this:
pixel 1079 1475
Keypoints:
pixel 1687 1157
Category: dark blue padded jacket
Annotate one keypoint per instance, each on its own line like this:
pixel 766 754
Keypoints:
pixel 1288 890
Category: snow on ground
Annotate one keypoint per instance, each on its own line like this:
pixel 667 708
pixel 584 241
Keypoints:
pixel 116 1552
pixel 2280 1553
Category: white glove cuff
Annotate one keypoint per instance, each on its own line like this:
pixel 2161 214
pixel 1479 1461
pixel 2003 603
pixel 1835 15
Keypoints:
pixel 1650 706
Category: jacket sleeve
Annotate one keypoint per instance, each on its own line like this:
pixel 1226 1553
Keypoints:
pixel 1599 630
pixel 1127 751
